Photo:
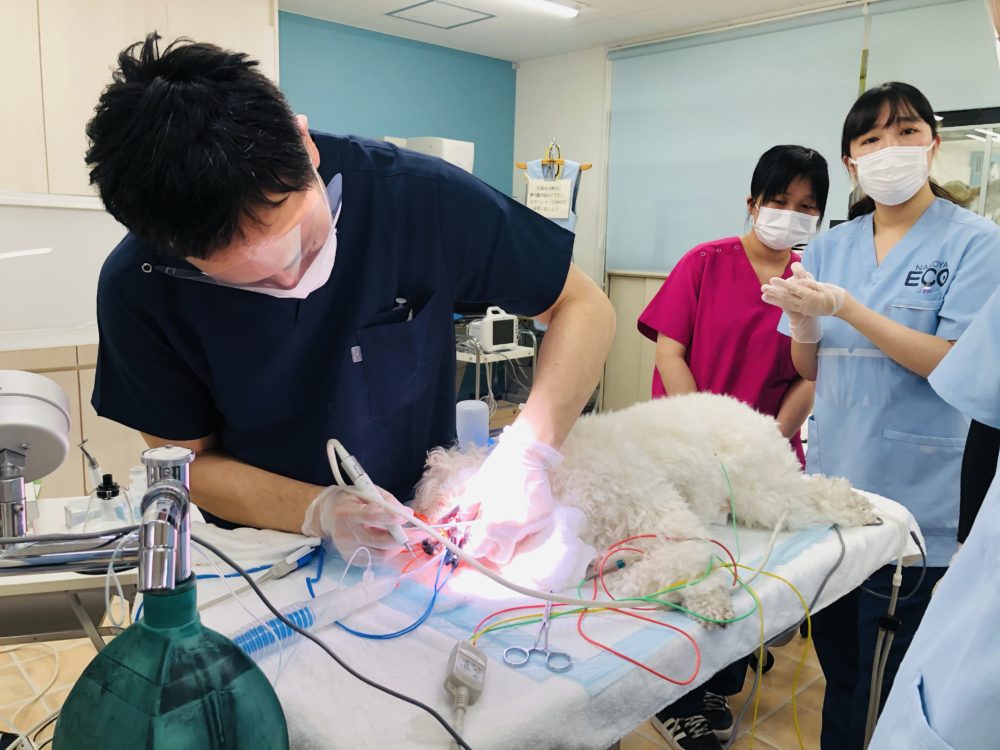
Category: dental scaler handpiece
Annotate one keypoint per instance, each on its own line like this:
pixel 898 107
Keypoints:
pixel 360 479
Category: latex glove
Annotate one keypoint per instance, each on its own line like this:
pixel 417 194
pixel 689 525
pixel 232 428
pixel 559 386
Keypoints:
pixel 805 329
pixel 803 295
pixel 513 493
pixel 554 558
pixel 342 516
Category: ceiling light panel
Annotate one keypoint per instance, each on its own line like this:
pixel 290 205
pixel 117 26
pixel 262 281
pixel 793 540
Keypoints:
pixel 440 14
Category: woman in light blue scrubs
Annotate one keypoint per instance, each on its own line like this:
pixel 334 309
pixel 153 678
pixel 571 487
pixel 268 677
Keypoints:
pixel 892 290
pixel 948 687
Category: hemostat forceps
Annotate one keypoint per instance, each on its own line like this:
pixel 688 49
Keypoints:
pixel 555 661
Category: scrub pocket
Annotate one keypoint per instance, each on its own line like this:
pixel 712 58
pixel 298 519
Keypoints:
pixel 917 312
pixel 925 467
pixel 911 729
pixel 858 377
pixel 398 360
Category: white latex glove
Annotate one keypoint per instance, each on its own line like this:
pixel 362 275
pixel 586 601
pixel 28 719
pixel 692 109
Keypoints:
pixel 513 493
pixel 803 295
pixel 555 558
pixel 805 329
pixel 345 518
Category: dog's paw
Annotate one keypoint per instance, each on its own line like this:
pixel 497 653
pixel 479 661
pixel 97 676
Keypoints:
pixel 855 510
pixel 711 608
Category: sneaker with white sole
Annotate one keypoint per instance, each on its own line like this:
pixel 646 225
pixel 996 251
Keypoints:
pixel 715 709
pixel 686 732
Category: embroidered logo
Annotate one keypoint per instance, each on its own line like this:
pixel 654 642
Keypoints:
pixel 928 275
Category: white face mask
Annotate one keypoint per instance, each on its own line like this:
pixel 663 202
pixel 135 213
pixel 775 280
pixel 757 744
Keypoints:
pixel 894 174
pixel 315 276
pixel 780 229
pixel 317 267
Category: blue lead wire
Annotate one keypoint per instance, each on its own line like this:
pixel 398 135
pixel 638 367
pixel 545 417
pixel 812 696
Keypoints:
pixel 438 585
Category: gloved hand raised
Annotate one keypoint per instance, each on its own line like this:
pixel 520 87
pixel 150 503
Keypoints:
pixel 512 492
pixel 343 516
pixel 805 300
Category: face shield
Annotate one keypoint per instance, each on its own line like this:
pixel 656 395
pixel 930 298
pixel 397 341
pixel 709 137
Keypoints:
pixel 281 262
pixel 284 264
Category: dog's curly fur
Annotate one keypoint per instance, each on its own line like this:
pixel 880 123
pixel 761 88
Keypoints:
pixel 657 467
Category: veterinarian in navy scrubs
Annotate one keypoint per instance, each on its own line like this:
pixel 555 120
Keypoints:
pixel 702 319
pixel 278 288
pixel 893 289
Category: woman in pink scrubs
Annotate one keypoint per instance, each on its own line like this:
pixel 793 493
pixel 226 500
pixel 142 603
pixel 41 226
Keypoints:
pixel 714 333
pixel 712 330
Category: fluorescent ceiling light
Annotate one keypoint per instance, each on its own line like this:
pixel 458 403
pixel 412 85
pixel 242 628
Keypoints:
pixel 939 118
pixel 975 137
pixel 990 133
pixel 556 9
pixel 25 253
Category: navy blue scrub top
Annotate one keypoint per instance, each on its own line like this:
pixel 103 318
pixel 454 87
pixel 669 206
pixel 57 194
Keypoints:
pixel 275 378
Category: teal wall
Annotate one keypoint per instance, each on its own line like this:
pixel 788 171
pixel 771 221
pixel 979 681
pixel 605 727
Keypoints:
pixel 349 80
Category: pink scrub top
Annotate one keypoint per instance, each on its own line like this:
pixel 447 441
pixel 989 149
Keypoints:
pixel 711 304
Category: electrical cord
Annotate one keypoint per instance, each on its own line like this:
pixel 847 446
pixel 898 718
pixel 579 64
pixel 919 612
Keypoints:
pixel 474 563
pixel 25 736
pixel 112 574
pixel 306 634
pixel 734 732
pixel 115 536
pixel 438 585
pixel 920 580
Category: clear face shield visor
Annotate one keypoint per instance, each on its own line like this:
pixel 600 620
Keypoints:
pixel 280 262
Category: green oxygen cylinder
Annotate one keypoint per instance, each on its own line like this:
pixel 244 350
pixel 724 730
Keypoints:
pixel 168 683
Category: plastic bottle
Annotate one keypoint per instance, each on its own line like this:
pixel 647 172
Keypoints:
pixel 472 422
pixel 109 507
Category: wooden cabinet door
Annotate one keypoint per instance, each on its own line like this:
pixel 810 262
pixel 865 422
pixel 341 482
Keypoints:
pixel 629 370
pixel 80 42
pixel 240 25
pixel 22 132
pixel 115 446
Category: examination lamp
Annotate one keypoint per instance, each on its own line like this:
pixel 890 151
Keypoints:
pixel 34 441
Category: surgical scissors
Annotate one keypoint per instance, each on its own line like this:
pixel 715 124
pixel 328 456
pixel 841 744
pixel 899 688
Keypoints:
pixel 555 661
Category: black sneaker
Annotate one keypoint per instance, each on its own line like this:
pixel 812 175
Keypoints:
pixel 686 732
pixel 715 709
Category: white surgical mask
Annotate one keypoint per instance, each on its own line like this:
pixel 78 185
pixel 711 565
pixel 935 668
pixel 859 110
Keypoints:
pixel 314 271
pixel 894 174
pixel 315 276
pixel 780 229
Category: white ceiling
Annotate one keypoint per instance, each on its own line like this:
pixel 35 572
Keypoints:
pixel 519 32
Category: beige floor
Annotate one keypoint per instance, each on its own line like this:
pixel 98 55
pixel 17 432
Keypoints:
pixel 25 672
pixel 775 728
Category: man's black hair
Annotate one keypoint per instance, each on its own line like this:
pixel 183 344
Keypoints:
pixel 187 145
pixel 780 165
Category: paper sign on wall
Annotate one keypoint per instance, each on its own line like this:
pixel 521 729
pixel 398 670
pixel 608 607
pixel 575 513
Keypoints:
pixel 550 198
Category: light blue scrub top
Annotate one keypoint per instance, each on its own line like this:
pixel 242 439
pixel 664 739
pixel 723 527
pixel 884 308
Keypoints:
pixel 947 690
pixel 875 422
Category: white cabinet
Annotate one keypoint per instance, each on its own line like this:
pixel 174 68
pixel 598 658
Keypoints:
pixel 80 43
pixel 115 446
pixel 22 131
pixel 56 57
pixel 628 372
pixel 241 25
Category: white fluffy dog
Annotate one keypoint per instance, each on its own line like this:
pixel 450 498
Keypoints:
pixel 657 467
